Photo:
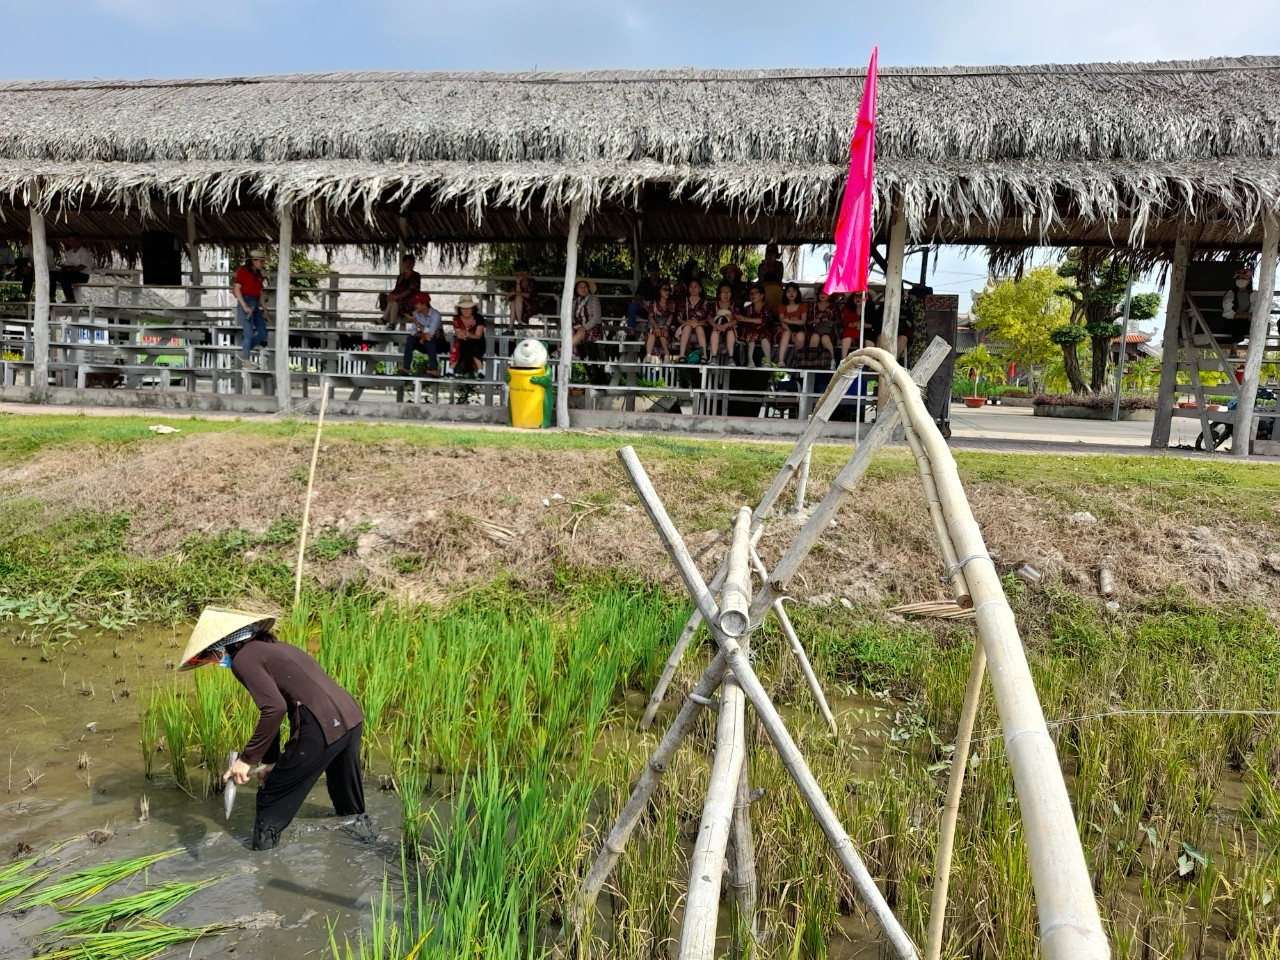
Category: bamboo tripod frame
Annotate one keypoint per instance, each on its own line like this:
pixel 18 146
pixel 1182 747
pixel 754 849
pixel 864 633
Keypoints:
pixel 1070 926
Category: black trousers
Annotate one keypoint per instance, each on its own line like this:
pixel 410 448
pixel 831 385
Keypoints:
pixel 305 758
pixel 66 278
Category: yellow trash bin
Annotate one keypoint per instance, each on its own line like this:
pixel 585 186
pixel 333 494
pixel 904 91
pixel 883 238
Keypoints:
pixel 527 398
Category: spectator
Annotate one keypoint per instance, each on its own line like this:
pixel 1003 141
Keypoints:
pixel 824 321
pixel 793 320
pixel 661 311
pixel 523 296
pixel 731 274
pixel 26 268
pixel 423 336
pixel 7 262
pixel 693 311
pixel 408 285
pixel 468 336
pixel 77 262
pixel 852 332
pixel 724 321
pixel 690 271
pixel 1237 308
pixel 247 292
pixel 769 276
pixel 587 324
pixel 755 323
pixel 646 292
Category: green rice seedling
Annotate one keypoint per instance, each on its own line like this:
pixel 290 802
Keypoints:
pixel 409 785
pixel 208 710
pixel 76 888
pixel 135 943
pixel 149 904
pixel 149 734
pixel 390 938
pixel 18 883
pixel 175 721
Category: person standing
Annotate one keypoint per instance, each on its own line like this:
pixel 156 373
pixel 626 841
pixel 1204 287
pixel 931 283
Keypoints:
pixel 247 291
pixel 77 262
pixel 769 275
pixel 325 722
pixel 422 337
pixel 408 285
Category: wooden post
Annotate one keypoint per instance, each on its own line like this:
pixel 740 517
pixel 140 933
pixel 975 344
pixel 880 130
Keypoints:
pixel 40 329
pixel 1160 430
pixel 1259 327
pixel 194 292
pixel 564 374
pixel 893 276
pixel 284 392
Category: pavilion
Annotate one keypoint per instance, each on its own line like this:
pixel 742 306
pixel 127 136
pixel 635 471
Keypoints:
pixel 1172 161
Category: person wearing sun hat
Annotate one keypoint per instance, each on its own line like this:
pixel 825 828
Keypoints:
pixel 246 291
pixel 325 722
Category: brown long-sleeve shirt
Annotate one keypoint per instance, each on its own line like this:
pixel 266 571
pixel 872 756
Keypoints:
pixel 279 678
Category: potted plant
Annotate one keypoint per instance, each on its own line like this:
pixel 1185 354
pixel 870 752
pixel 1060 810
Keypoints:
pixel 980 363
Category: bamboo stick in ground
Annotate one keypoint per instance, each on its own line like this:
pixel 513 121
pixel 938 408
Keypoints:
pixel 742 855
pixel 790 754
pixel 311 482
pixel 656 766
pixel 789 631
pixel 706 864
pixel 951 812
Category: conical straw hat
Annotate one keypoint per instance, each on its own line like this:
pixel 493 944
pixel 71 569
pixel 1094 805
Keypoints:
pixel 215 625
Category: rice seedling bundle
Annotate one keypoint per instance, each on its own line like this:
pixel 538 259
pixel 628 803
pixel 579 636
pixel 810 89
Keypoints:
pixel 136 943
pixel 148 904
pixel 76 888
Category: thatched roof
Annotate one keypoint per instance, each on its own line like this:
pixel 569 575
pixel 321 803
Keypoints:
pixel 1006 155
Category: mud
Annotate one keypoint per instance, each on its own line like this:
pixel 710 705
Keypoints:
pixel 324 871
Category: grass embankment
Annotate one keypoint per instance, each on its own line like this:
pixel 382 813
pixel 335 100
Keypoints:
pixel 509 699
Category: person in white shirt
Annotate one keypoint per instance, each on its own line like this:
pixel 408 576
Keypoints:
pixel 425 329
pixel 77 262
pixel 1237 308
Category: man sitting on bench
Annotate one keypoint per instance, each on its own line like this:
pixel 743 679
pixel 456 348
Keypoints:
pixel 425 328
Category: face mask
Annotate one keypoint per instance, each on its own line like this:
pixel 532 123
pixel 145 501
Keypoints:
pixel 1242 284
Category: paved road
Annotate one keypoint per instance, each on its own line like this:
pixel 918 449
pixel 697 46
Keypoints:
pixel 1018 424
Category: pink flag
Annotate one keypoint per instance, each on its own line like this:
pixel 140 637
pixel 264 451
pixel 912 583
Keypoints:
pixel 853 229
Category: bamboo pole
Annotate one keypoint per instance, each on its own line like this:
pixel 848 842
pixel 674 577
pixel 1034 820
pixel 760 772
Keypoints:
pixel 953 570
pixel 802 485
pixel 1172 325
pixel 564 374
pixel 797 648
pixel 742 856
pixel 928 363
pixel 706 864
pixel 311 481
pixel 40 327
pixel 1259 327
pixel 194 292
pixel 1070 928
pixel 284 391
pixel 735 597
pixel 773 724
pixel 951 811
pixel 641 794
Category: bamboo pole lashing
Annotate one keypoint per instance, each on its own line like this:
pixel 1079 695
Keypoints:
pixel 929 361
pixel 770 719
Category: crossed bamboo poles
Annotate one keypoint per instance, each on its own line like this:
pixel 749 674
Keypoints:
pixel 1069 922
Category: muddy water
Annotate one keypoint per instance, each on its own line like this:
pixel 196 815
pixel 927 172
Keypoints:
pixel 71 764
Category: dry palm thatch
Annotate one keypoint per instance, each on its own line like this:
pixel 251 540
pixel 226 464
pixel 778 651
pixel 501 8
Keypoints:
pixel 1096 153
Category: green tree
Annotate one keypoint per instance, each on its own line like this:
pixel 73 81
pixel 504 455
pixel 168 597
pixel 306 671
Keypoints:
pixel 980 364
pixel 1096 291
pixel 1020 314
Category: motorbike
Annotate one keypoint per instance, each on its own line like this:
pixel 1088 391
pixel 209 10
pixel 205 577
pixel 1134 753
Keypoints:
pixel 1220 433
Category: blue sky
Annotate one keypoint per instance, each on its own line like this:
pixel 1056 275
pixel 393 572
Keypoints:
pixel 178 38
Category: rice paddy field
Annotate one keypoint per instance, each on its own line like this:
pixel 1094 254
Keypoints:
pixel 502 726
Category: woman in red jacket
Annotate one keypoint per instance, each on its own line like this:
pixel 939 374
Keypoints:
pixel 325 722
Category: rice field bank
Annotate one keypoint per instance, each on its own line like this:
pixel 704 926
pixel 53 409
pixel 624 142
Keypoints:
pixel 503 697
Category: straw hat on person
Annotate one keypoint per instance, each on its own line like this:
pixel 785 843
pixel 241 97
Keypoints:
pixel 218 627
pixel 731 266
pixel 466 301
pixel 257 255
pixel 591 286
